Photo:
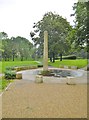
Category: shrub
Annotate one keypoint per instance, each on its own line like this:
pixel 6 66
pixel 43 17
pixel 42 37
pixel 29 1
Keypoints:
pixel 71 57
pixel 10 68
pixel 10 74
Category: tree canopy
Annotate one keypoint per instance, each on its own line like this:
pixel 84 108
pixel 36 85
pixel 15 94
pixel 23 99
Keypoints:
pixel 57 28
pixel 18 47
pixel 81 13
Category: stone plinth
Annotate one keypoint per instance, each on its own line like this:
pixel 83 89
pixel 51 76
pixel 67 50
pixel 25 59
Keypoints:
pixel 71 81
pixel 18 75
pixel 39 79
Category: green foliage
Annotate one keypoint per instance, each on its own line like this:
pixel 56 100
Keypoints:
pixel 57 28
pixel 10 68
pixel 3 35
pixel 81 13
pixel 0 67
pixel 4 83
pixel 10 74
pixel 19 48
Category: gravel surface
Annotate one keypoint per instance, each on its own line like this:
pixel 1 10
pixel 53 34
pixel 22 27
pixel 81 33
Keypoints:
pixel 25 99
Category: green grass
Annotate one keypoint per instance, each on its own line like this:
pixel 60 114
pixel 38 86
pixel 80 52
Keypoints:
pixel 4 83
pixel 5 64
pixel 79 63
pixel 0 67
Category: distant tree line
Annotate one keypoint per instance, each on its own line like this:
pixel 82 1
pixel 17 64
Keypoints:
pixel 15 48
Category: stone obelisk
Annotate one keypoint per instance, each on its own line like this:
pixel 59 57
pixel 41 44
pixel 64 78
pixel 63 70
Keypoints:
pixel 45 56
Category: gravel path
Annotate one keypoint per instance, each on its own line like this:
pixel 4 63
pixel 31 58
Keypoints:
pixel 26 99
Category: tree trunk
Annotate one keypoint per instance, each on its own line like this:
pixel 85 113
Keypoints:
pixel 22 58
pixel 60 56
pixel 50 59
pixel 5 58
pixel 13 58
pixel 53 57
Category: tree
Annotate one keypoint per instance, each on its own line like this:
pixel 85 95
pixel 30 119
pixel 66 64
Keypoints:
pixel 18 47
pixel 23 47
pixel 57 28
pixel 81 13
pixel 3 35
pixel 7 47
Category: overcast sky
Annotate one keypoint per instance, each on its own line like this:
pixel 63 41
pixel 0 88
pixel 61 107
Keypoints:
pixel 17 16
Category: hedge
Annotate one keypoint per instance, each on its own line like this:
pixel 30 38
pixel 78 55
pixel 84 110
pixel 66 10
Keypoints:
pixel 71 57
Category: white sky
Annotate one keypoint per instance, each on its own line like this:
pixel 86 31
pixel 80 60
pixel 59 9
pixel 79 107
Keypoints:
pixel 17 16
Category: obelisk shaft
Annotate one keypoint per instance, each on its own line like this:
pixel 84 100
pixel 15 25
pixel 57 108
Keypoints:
pixel 45 57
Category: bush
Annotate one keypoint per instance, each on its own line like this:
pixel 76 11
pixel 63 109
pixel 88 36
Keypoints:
pixel 10 74
pixel 71 57
pixel 10 68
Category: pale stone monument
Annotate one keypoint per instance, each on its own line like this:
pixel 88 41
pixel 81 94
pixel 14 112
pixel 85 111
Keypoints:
pixel 45 55
pixel 39 78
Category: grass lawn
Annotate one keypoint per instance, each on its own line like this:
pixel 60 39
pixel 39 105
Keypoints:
pixel 4 83
pixel 0 67
pixel 79 63
pixel 5 64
